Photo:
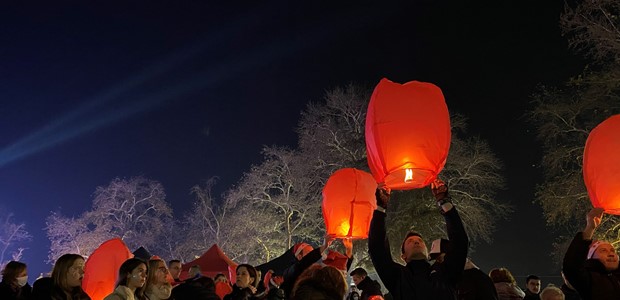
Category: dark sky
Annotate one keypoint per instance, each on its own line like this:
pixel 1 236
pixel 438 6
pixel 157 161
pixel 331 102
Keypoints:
pixel 179 91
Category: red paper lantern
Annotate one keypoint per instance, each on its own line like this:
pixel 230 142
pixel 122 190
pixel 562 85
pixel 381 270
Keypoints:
pixel 348 203
pixel 101 268
pixel 601 165
pixel 407 134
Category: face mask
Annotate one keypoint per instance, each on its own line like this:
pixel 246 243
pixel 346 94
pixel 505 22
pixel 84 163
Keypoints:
pixel 21 281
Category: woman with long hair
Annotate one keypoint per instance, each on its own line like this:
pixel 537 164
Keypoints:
pixel 66 280
pixel 14 285
pixel 158 286
pixel 246 285
pixel 131 279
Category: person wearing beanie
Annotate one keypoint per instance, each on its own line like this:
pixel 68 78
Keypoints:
pixel 417 280
pixel 592 266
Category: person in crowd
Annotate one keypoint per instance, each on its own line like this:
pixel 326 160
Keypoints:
pixel 65 282
pixel 202 288
pixel 319 282
pixel 551 292
pixel 505 284
pixel 222 285
pixel 174 266
pixel 157 286
pixel 14 284
pixel 246 284
pixel 569 291
pixel 415 280
pixel 305 256
pixel 354 293
pixel 592 266
pixel 272 284
pixel 194 272
pixel 368 286
pixel 532 287
pixel 473 284
pixel 131 279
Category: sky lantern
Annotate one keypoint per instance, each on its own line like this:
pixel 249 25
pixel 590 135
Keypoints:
pixel 407 134
pixel 348 203
pixel 601 165
pixel 101 268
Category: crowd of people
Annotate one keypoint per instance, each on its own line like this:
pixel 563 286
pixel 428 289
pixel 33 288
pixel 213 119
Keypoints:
pixel 590 271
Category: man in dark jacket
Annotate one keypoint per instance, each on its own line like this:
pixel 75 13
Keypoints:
pixel 417 280
pixel 368 286
pixel 592 266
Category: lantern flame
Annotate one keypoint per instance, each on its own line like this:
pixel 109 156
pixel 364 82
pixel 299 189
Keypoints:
pixel 408 175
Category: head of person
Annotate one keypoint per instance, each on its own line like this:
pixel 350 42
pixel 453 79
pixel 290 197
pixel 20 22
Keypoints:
pixel 15 273
pixel 194 271
pixel 605 253
pixel 220 277
pixel 246 276
pixel 302 249
pixel 157 274
pixel 132 274
pixel 413 247
pixel 501 275
pixel 532 283
pixel 205 282
pixel 358 275
pixel 68 272
pixel 320 283
pixel 439 247
pixel 551 293
pixel 174 266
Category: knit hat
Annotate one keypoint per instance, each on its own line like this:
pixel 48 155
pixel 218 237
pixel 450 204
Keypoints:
pixel 593 247
pixel 299 247
pixel 439 246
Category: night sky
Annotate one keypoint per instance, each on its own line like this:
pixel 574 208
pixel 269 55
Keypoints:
pixel 180 91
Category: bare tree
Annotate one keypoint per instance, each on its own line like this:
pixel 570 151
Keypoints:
pixel 276 204
pixel 331 133
pixel 12 237
pixel 564 116
pixel 134 210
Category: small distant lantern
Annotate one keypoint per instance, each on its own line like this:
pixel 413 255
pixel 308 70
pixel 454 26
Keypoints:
pixel 348 203
pixel 407 134
pixel 601 165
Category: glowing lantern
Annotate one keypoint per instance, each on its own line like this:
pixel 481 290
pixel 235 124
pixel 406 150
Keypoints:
pixel 348 203
pixel 407 134
pixel 101 268
pixel 601 165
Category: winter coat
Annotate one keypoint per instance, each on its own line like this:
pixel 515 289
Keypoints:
pixel 417 280
pixel 14 292
pixel 530 296
pixel 588 276
pixel 291 273
pixel 240 294
pixel 193 291
pixel 369 288
pixel 508 291
pixel 121 292
pixel 569 294
pixel 475 285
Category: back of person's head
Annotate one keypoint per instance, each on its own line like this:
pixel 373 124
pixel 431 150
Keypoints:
pixel 551 293
pixel 205 282
pixel 501 275
pixel 12 270
pixel 359 272
pixel 320 283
